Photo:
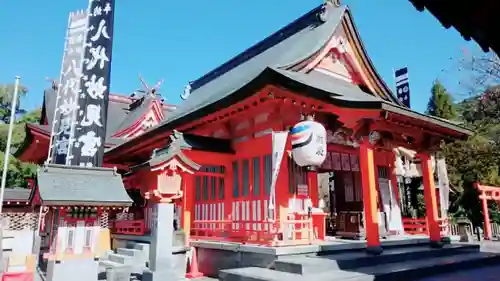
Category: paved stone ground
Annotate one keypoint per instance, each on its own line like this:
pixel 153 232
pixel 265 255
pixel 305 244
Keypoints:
pixel 490 273
pixel 481 274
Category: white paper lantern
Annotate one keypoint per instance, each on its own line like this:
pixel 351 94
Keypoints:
pixel 308 143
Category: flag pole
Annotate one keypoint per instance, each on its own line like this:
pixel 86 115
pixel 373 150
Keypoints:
pixel 9 141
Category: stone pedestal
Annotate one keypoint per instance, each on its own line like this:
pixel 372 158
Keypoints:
pixel 162 264
pixel 74 270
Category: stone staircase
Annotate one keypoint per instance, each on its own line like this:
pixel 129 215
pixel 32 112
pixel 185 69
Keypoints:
pixel 410 262
pixel 132 257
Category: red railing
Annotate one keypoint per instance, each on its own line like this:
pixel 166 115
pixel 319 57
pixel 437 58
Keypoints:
pixel 419 226
pixel 270 233
pixel 129 227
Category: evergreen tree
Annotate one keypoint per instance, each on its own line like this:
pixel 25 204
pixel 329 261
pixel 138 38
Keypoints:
pixel 441 103
pixel 17 171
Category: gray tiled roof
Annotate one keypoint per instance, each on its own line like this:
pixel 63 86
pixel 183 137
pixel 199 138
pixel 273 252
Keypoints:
pixel 288 46
pixel 70 185
pixel 140 107
pixel 16 194
pixel 284 49
pixel 120 114
pixel 268 61
pixel 335 88
pixel 180 141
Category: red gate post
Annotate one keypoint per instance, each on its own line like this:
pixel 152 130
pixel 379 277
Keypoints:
pixel 484 202
pixel 431 208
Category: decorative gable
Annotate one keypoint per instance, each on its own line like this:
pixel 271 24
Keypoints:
pixel 151 118
pixel 337 59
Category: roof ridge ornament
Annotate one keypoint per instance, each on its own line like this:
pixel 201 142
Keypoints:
pixel 187 91
pixel 152 91
pixel 53 83
pixel 327 5
pixel 175 135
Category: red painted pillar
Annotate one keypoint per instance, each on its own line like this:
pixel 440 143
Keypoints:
pixel 487 223
pixel 312 183
pixel 431 207
pixel 188 205
pixel 486 214
pixel 367 167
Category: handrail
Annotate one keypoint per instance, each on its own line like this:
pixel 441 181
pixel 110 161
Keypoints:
pixel 420 226
pixel 271 233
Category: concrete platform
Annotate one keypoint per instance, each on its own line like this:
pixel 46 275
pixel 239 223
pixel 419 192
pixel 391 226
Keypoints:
pixel 216 256
pixel 399 263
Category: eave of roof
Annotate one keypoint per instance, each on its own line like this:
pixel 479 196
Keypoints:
pixel 16 195
pixel 329 90
pixel 463 17
pixel 44 131
pixel 71 185
pixel 427 118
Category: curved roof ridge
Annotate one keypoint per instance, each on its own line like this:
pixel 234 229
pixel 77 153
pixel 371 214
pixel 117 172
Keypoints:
pixel 258 48
pixel 369 61
pixel 332 15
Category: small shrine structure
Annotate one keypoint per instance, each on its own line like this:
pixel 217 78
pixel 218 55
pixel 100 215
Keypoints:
pixel 75 203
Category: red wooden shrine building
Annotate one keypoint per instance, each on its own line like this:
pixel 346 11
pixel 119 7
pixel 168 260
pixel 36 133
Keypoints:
pixel 218 143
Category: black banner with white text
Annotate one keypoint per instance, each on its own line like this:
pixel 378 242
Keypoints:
pixel 90 130
pixel 402 86
pixel 64 119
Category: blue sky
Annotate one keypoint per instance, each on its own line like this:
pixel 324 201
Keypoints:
pixel 181 40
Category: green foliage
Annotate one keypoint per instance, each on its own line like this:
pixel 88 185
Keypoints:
pixel 441 103
pixel 478 158
pixel 6 93
pixel 17 170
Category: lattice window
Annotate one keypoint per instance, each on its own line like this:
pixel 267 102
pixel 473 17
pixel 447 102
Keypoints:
pixel 125 216
pixel 104 219
pixel 19 221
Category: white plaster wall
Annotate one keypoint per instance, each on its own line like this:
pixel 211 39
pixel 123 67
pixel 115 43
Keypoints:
pixel 19 242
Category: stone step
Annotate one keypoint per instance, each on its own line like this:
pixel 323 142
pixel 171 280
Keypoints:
pixel 138 256
pixel 317 264
pixel 414 270
pixel 129 252
pixel 120 258
pixel 144 247
pixel 137 264
pixel 109 264
pixel 388 272
pixel 360 246
pixel 257 274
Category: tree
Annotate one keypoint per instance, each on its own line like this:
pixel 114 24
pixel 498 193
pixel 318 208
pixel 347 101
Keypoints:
pixel 478 158
pixel 479 71
pixel 441 103
pixel 6 94
pixel 17 170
